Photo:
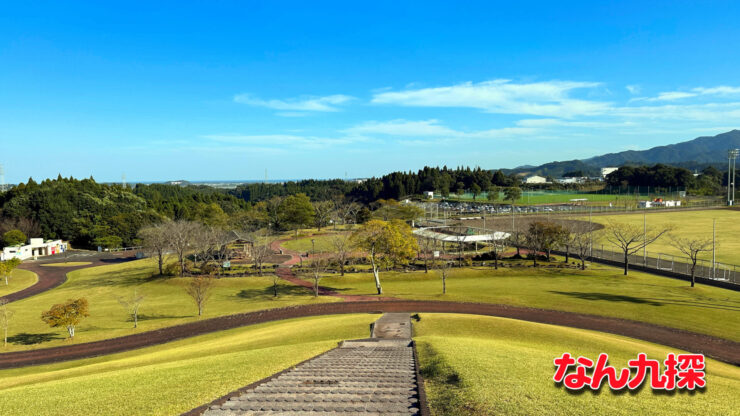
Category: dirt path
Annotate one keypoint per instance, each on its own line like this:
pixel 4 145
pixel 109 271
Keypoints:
pixel 718 348
pixel 51 277
pixel 285 272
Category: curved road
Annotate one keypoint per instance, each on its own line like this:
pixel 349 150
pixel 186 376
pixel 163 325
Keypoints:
pixel 718 348
pixel 51 277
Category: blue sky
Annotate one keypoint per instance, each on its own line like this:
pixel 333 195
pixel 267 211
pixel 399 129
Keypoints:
pixel 224 90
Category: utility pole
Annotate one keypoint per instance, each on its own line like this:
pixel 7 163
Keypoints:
pixel 2 178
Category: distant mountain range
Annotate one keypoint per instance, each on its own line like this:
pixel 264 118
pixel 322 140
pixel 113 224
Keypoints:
pixel 693 154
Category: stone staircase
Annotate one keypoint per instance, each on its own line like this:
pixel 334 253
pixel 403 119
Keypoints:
pixel 375 376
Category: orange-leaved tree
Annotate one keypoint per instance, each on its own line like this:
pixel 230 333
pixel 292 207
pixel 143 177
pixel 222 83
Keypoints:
pixel 67 314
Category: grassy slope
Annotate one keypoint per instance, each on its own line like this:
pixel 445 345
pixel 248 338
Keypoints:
pixel 482 365
pixel 600 290
pixel 689 224
pixel 323 244
pixel 19 280
pixel 166 303
pixel 175 377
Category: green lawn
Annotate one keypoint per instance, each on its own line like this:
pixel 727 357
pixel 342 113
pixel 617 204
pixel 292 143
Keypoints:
pixel 688 224
pixel 484 365
pixel 18 280
pixel 166 303
pixel 323 244
pixel 176 377
pixel 600 290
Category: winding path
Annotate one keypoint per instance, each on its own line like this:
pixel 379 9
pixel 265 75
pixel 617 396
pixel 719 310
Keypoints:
pixel 51 277
pixel 718 348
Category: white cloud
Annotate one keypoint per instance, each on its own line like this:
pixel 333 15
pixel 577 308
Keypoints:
pixel 633 89
pixel 550 98
pixel 722 90
pixel 290 106
pixel 431 129
pixel 280 140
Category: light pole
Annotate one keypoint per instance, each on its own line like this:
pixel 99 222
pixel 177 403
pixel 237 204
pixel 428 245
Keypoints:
pixel 313 247
pixel 714 248
pixel 732 155
pixel 644 238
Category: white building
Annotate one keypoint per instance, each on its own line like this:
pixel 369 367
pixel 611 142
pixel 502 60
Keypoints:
pixel 656 204
pixel 572 180
pixel 606 171
pixel 535 179
pixel 36 247
pixel 429 194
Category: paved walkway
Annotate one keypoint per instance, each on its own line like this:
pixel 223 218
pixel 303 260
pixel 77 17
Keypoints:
pixel 376 376
pixel 285 272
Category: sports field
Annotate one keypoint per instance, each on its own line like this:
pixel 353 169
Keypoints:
pixel 477 365
pixel 553 197
pixel 688 224
pixel 165 303
pixel 173 378
pixel 18 280
pixel 599 290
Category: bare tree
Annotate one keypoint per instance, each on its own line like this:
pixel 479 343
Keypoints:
pixel 630 238
pixel 692 247
pixel 323 212
pixel 580 239
pixel 199 289
pixel 181 235
pixel 156 241
pixel 445 268
pixel 5 316
pixel 260 253
pixel 132 304
pixel 342 249
pixel 317 267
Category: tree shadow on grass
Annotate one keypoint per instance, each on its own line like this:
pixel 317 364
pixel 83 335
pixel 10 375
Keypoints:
pixel 268 292
pixel 609 297
pixel 155 317
pixel 646 301
pixel 25 338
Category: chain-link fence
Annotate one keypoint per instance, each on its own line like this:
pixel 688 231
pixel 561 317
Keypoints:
pixel 706 269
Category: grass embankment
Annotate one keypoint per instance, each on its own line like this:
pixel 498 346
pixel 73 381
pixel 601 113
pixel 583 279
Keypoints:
pixel 483 365
pixel 176 377
pixel 18 280
pixel 67 264
pixel 165 303
pixel 688 224
pixel 600 290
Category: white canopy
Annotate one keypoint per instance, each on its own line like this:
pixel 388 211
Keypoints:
pixel 430 233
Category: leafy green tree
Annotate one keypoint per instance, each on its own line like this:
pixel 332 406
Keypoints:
pixel 109 241
pixel 513 193
pixel 7 267
pixel 67 314
pixel 297 211
pixel 493 192
pixel 476 190
pixel 14 238
pixel 387 243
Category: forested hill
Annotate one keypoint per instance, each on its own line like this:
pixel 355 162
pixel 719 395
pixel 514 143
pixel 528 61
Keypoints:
pixel 693 154
pixel 90 214
pixel 709 149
